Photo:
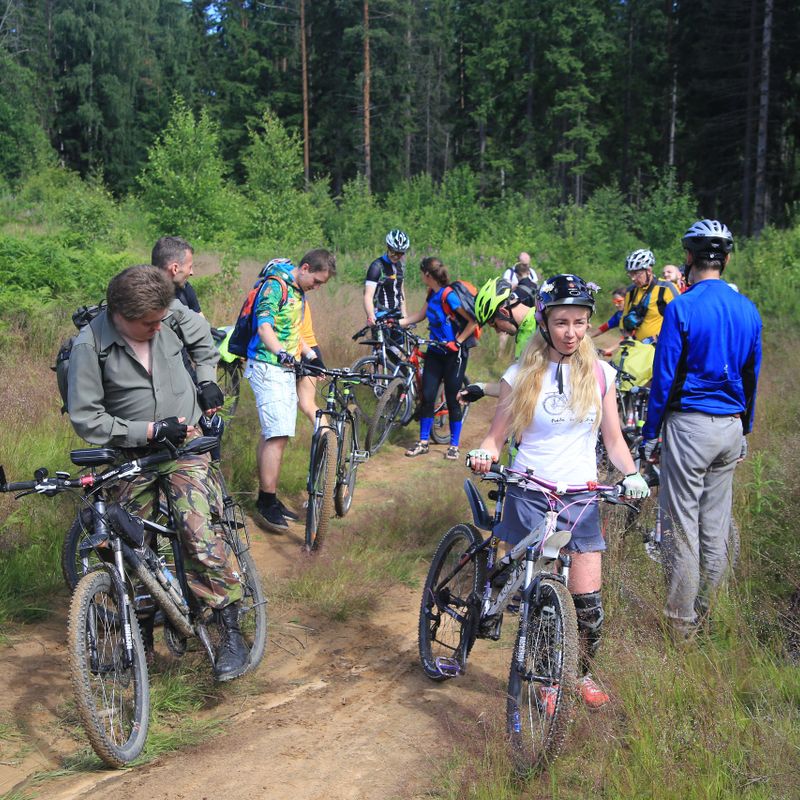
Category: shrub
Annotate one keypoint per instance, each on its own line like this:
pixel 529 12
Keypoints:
pixel 279 210
pixel 183 184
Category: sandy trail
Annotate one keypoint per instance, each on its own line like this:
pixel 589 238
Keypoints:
pixel 335 711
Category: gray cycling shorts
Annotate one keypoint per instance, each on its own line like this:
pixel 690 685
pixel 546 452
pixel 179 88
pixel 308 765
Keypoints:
pixel 524 509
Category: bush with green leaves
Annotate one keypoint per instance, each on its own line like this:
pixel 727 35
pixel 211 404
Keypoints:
pixel 183 183
pixel 40 270
pixel 278 211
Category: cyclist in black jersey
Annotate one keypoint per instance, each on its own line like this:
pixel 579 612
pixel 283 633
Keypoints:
pixel 384 282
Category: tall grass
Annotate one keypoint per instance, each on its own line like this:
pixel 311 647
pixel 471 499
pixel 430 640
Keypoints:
pixel 720 719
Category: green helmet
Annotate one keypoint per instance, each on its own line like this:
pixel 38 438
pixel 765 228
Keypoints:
pixel 491 296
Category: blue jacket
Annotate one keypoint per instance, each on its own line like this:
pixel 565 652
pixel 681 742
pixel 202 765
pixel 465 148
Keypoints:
pixel 707 357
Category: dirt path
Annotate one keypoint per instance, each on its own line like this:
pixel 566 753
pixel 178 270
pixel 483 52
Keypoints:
pixel 335 711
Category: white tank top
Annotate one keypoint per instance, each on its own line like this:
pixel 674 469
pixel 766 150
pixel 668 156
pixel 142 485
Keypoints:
pixel 555 445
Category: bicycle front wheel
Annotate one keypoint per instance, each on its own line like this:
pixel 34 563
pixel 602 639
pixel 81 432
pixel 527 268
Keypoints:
pixel 386 412
pixel 322 478
pixel 112 690
pixel 542 684
pixel 75 565
pixel 450 605
pixel 348 466
pixel 440 433
pixel 367 395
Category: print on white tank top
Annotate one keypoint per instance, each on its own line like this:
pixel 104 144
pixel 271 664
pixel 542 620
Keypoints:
pixel 554 445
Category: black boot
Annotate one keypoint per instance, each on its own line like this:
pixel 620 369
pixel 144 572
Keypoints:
pixel 232 655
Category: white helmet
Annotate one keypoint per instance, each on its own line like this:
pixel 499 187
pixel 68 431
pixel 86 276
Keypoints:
pixel 397 240
pixel 640 259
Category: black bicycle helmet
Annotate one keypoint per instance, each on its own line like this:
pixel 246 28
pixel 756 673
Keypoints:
pixel 709 240
pixel 563 290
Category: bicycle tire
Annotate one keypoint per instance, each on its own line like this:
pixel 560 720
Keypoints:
pixel 347 471
pixel 320 496
pixel 229 379
pixel 550 640
pixel 72 567
pixel 253 621
pixel 113 700
pixel 385 416
pixel 440 432
pixel 445 641
pixel 366 396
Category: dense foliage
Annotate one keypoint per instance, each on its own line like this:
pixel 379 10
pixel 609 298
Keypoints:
pixel 531 97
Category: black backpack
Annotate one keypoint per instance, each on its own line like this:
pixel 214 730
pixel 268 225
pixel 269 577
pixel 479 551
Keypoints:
pixel 84 316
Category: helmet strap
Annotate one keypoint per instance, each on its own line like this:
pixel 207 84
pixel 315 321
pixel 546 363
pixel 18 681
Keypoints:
pixel 509 317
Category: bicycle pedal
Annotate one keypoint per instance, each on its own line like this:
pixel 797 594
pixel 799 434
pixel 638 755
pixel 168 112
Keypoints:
pixel 447 666
pixel 360 456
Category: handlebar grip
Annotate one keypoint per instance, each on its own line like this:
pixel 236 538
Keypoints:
pixel 18 486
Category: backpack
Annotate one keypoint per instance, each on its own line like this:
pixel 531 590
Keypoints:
pixel 635 317
pixel 466 293
pixel 84 316
pixel 244 329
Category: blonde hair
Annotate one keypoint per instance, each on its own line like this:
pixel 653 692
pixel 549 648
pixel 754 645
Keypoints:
pixel 533 364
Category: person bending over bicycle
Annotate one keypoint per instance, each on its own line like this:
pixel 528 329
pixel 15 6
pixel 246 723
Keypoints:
pixel 509 311
pixel 446 358
pixel 553 402
pixel 128 388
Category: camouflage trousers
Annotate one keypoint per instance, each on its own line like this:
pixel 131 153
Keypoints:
pixel 196 500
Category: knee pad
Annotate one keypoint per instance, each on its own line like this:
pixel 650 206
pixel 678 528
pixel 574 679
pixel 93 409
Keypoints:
pixel 589 609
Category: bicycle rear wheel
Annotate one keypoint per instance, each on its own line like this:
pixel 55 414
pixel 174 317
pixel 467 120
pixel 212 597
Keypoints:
pixel 322 478
pixel 112 693
pixel 542 684
pixel 347 467
pixel 253 621
pixel 450 607
pixel 440 433
pixel 386 413
pixel 229 379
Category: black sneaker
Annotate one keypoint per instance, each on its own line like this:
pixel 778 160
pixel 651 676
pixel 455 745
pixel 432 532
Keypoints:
pixel 271 518
pixel 287 512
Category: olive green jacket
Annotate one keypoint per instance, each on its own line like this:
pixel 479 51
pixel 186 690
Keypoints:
pixel 112 398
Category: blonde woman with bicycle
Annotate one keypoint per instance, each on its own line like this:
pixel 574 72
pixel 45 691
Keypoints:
pixel 554 402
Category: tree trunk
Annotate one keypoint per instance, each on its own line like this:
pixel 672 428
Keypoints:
pixel 304 62
pixel 750 124
pixel 763 115
pixel 367 143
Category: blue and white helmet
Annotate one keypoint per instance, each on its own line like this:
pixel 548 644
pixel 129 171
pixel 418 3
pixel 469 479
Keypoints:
pixel 640 259
pixel 708 239
pixel 397 240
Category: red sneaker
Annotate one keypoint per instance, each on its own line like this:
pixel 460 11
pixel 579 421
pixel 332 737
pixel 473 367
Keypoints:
pixel 592 694
pixel 548 695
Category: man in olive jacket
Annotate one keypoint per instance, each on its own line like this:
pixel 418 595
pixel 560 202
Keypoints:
pixel 128 388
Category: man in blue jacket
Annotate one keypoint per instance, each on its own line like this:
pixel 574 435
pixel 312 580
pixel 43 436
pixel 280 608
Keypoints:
pixel 702 401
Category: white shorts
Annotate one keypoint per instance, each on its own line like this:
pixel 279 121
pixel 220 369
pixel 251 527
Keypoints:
pixel 276 398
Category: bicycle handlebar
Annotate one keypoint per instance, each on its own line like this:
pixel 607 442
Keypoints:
pixel 610 494
pixel 62 482
pixel 305 368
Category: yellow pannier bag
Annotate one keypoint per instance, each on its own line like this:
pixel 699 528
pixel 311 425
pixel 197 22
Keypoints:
pixel 635 359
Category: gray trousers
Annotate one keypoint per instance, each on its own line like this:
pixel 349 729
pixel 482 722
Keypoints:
pixel 698 458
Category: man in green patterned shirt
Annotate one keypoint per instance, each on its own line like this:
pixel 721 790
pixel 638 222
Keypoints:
pixel 279 312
